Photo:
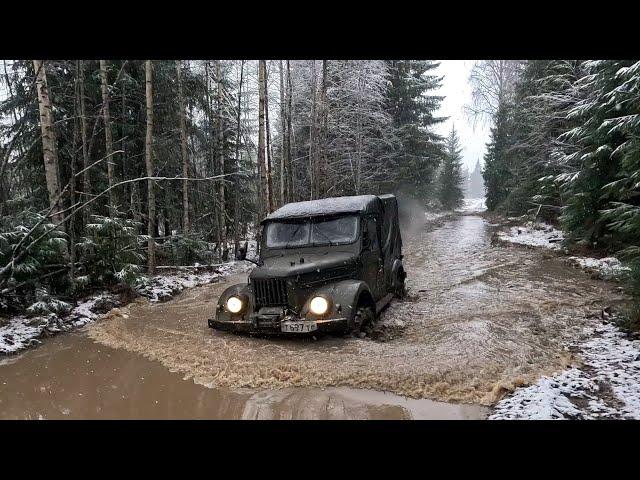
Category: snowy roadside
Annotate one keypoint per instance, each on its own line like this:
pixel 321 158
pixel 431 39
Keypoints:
pixel 21 332
pixel 606 385
pixel 541 235
pixel 469 206
pixel 472 205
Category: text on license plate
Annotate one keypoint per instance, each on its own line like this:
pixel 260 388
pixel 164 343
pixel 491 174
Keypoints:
pixel 299 327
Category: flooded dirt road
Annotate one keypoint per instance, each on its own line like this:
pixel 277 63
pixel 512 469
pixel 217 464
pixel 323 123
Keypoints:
pixel 480 319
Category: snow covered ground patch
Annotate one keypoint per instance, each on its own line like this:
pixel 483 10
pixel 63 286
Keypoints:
pixel 607 268
pixel 433 216
pixel 534 235
pixel 607 385
pixel 473 205
pixel 162 287
pixel 21 332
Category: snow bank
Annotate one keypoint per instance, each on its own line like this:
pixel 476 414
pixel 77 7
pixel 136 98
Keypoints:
pixel 606 386
pixel 545 236
pixel 609 267
pixel 22 332
pixel 534 235
pixel 472 205
pixel 435 216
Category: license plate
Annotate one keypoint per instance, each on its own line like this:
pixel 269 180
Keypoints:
pixel 298 327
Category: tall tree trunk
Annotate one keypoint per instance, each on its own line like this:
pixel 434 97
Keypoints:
pixel 73 182
pixel 185 158
pixel 261 164
pixel 322 154
pixel 268 131
pixel 283 138
pixel 151 202
pixel 49 149
pixel 236 181
pixel 86 174
pixel 212 159
pixel 313 134
pixel 289 148
pixel 108 140
pixel 222 217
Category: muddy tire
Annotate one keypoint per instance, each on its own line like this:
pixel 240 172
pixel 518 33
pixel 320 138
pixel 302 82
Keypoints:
pixel 400 290
pixel 364 317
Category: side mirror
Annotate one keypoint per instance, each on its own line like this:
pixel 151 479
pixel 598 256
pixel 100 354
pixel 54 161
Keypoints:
pixel 241 254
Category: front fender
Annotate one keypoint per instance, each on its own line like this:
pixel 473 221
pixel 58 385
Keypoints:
pixel 240 290
pixel 343 298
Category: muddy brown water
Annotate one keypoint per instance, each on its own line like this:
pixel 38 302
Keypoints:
pixel 480 320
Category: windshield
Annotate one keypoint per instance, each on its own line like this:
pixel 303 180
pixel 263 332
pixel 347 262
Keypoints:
pixel 312 232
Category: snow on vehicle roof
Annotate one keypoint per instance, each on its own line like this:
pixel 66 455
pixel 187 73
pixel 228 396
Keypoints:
pixel 325 206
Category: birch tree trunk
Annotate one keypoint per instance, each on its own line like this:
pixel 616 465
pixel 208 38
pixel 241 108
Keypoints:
pixel 283 138
pixel 290 185
pixel 151 202
pixel 313 134
pixel 108 140
pixel 236 181
pixel 322 171
pixel 185 158
pixel 212 160
pixel 221 154
pixel 49 149
pixel 268 135
pixel 261 164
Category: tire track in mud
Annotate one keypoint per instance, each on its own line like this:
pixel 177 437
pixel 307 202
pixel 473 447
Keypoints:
pixel 480 320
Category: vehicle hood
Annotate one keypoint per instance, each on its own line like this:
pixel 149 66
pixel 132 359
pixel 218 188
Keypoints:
pixel 303 263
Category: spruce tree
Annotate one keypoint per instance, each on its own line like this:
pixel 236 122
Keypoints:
pixel 602 154
pixel 496 173
pixel 450 178
pixel 412 105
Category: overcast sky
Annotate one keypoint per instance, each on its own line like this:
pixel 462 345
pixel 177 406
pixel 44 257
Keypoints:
pixel 457 93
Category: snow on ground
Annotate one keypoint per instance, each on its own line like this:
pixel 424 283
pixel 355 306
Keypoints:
pixel 162 287
pixel 433 216
pixel 473 205
pixel 607 385
pixel 609 267
pixel 534 235
pixel 21 332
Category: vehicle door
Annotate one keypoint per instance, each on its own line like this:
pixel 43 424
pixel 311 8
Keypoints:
pixel 371 256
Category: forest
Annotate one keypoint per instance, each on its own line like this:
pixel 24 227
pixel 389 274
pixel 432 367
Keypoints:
pixel 565 146
pixel 111 169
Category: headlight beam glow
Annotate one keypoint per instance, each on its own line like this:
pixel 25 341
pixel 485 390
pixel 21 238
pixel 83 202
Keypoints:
pixel 319 305
pixel 234 304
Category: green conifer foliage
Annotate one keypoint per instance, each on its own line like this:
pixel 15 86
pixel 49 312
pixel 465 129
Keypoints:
pixel 450 179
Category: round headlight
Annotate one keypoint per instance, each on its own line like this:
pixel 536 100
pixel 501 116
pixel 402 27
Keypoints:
pixel 234 304
pixel 319 305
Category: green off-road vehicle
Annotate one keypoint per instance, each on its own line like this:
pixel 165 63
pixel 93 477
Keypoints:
pixel 326 265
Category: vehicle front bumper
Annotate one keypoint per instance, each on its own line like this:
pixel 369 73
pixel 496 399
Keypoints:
pixel 273 325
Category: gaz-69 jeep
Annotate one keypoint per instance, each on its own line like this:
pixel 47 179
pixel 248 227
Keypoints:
pixel 326 265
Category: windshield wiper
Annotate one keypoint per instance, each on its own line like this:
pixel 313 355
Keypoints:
pixel 286 245
pixel 325 236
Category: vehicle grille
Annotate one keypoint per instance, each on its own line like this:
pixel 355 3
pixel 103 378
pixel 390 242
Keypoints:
pixel 271 292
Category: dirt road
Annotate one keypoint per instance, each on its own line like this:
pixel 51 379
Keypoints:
pixel 480 319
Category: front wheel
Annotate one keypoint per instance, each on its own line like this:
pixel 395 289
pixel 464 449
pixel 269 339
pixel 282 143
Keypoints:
pixel 364 316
